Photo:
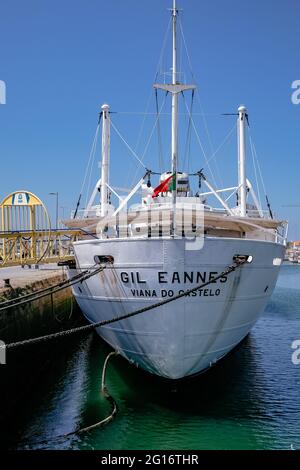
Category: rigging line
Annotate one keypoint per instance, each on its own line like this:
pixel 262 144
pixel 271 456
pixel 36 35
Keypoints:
pixel 199 101
pixel 261 177
pixel 154 126
pixel 227 137
pixel 209 137
pixel 140 133
pixel 190 131
pixel 155 77
pixel 187 52
pixel 90 173
pixel 160 152
pixel 259 168
pixel 258 164
pixel 150 94
pixel 181 74
pixel 89 160
pixel 190 140
pixel 163 48
pixel 150 137
pixel 164 114
pixel 188 137
pixel 77 206
pixel 255 171
pixel 90 156
pixel 127 145
pixel 200 143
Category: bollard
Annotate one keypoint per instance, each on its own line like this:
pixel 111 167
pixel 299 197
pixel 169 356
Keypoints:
pixel 7 283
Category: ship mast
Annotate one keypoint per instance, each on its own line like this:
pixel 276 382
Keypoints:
pixel 242 193
pixel 174 112
pixel 174 88
pixel 105 159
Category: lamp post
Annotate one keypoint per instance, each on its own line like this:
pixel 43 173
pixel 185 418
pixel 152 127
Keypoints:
pixel 56 218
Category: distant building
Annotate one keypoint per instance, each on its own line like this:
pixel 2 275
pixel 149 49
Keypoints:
pixel 294 245
pixel 293 251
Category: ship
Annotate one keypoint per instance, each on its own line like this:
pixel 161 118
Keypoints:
pixel 167 255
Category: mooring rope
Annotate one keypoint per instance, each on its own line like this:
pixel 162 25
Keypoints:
pixel 105 392
pixel 24 299
pixel 239 260
pixel 107 395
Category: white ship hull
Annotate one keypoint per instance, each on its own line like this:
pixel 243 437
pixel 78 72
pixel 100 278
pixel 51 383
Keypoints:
pixel 188 335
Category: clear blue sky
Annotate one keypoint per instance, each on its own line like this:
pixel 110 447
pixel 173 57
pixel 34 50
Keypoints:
pixel 62 59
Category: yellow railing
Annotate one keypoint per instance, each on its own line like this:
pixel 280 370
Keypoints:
pixel 38 246
pixel 26 236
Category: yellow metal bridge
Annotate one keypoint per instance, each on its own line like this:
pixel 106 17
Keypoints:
pixel 26 236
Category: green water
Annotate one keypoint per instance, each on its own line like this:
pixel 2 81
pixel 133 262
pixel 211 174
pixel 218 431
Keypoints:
pixel 250 400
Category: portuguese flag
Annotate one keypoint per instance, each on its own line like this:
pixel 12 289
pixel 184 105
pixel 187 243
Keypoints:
pixel 168 184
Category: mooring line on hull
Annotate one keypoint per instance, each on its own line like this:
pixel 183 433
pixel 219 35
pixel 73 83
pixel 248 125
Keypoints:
pixel 239 260
pixel 105 392
pixel 31 297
